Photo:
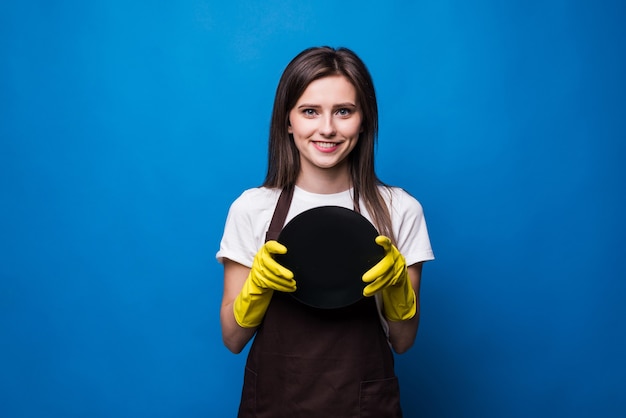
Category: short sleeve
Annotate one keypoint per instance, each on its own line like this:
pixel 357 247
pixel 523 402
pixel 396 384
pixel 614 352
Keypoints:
pixel 247 221
pixel 410 228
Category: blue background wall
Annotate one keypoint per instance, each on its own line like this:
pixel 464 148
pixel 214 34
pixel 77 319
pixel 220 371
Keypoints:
pixel 127 128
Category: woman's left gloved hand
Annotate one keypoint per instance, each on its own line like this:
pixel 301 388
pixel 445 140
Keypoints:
pixel 391 276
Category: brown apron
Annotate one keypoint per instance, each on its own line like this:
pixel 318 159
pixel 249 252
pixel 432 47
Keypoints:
pixel 309 362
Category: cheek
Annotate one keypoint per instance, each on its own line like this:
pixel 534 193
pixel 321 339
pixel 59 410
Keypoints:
pixel 353 126
pixel 302 128
pixel 356 128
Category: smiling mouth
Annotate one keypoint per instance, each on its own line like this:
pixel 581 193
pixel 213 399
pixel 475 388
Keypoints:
pixel 326 144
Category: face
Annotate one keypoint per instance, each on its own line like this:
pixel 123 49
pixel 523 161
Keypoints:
pixel 325 124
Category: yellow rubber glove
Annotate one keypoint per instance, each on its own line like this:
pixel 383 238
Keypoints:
pixel 266 275
pixel 391 276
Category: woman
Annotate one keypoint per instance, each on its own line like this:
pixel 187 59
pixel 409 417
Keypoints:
pixel 307 362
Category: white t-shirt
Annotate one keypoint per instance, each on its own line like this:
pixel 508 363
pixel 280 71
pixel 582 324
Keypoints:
pixel 250 215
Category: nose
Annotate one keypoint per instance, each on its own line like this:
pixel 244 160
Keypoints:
pixel 327 126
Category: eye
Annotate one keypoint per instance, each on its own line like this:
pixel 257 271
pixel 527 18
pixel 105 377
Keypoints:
pixel 309 112
pixel 344 111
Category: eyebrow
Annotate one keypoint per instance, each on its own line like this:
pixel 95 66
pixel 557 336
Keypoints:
pixel 338 105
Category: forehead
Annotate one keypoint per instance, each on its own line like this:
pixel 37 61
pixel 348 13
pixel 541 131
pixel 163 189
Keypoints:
pixel 335 88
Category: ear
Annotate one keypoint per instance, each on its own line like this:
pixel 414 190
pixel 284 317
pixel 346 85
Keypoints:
pixel 289 129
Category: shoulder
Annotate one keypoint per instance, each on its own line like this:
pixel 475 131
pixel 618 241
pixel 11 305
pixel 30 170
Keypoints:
pixel 400 202
pixel 246 224
pixel 253 207
pixel 254 200
pixel 409 225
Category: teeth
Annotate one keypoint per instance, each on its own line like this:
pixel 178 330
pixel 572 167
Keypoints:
pixel 326 144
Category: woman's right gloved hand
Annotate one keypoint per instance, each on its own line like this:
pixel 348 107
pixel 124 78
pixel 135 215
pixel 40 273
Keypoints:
pixel 266 275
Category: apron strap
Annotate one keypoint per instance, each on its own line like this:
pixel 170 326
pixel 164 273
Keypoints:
pixel 280 214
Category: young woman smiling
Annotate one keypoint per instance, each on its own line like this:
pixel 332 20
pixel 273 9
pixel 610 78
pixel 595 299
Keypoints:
pixel 321 153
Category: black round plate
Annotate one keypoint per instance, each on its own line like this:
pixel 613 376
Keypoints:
pixel 329 248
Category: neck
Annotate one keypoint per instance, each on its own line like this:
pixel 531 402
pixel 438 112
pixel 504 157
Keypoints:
pixel 325 181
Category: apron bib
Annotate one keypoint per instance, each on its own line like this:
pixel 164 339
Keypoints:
pixel 309 362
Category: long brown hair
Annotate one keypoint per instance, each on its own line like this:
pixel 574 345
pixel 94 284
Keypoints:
pixel 283 157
